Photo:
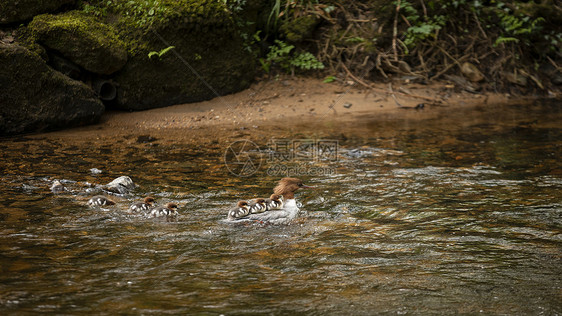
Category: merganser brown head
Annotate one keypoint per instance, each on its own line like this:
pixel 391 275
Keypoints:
pixel 242 204
pixel 275 197
pixel 260 201
pixel 149 200
pixel 287 187
pixel 172 206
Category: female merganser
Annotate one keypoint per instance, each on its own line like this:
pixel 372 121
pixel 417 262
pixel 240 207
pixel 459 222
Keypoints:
pixel 170 210
pixel 285 200
pixel 258 206
pixel 242 209
pixel 142 206
pixel 100 200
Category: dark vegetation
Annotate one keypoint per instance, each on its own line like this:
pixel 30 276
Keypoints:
pixel 503 45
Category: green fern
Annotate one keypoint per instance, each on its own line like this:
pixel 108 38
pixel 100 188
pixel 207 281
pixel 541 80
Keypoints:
pixel 154 54
pixel 501 40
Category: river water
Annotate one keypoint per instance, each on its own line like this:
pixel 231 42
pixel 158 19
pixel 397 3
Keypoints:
pixel 456 214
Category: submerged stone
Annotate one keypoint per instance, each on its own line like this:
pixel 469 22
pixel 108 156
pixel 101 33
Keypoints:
pixel 34 97
pixel 121 185
pixel 81 39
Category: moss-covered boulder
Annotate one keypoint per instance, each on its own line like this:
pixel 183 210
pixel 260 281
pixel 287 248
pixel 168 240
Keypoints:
pixel 209 58
pixel 35 98
pixel 81 39
pixel 12 11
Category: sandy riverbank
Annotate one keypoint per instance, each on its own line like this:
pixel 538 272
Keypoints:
pixel 276 107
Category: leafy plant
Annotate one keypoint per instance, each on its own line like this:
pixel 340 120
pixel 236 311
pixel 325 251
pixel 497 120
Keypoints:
pixel 154 54
pixel 283 54
pixel 305 61
pixel 420 29
pixel 516 27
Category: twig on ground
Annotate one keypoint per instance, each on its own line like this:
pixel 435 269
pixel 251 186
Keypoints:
pixel 393 96
pixel 361 82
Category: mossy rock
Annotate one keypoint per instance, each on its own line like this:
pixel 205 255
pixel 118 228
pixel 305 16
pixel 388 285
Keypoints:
pixel 81 39
pixel 208 60
pixel 36 98
pixel 299 29
pixel 12 11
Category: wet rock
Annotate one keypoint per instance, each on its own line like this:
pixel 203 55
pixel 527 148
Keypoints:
pixel 81 39
pixel 12 11
pixel 145 139
pixel 95 171
pixel 36 98
pixel 28 188
pixel 471 72
pixel 94 190
pixel 57 187
pixel 121 185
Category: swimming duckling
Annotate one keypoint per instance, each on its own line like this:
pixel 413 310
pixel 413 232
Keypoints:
pixel 100 200
pixel 275 202
pixel 142 206
pixel 170 210
pixel 242 209
pixel 258 206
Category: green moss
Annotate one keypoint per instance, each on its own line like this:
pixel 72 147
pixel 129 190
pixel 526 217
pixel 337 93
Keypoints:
pixel 205 36
pixel 74 22
pixel 82 39
pixel 299 29
pixel 134 20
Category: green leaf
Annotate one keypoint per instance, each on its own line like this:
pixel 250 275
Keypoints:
pixel 165 50
pixel 502 39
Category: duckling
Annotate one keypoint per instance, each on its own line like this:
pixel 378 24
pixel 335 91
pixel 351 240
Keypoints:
pixel 170 210
pixel 275 202
pixel 242 209
pixel 142 206
pixel 258 206
pixel 100 200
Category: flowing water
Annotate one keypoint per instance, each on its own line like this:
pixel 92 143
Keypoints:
pixel 430 216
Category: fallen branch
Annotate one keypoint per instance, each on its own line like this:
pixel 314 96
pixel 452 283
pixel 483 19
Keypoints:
pixel 355 78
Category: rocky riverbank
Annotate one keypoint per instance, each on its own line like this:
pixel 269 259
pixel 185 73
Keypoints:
pixel 62 63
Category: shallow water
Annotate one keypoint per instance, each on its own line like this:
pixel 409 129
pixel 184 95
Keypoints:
pixel 448 215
